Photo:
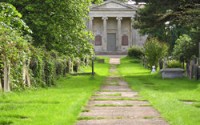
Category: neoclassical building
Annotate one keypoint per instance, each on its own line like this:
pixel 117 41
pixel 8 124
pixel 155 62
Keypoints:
pixel 111 24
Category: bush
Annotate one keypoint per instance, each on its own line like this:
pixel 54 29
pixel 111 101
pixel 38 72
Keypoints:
pixel 136 52
pixel 184 46
pixel 154 51
pixel 173 64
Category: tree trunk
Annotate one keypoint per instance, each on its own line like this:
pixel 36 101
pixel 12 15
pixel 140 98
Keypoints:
pixel 6 77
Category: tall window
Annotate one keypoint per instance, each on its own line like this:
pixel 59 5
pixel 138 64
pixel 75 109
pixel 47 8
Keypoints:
pixel 124 40
pixel 98 40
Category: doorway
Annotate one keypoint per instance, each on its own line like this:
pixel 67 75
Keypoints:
pixel 111 42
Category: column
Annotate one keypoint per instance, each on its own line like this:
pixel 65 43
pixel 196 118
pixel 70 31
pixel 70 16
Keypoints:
pixel 119 28
pixel 131 37
pixel 104 43
pixel 91 23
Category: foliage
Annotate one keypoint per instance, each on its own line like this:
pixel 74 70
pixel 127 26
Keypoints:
pixel 34 106
pixel 11 18
pixel 16 56
pixel 185 47
pixel 154 51
pixel 164 94
pixel 173 64
pixel 169 19
pixel 58 25
pixel 136 52
pixel 43 67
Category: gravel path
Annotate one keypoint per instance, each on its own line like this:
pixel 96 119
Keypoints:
pixel 117 104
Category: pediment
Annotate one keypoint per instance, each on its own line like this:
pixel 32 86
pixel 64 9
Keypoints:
pixel 112 4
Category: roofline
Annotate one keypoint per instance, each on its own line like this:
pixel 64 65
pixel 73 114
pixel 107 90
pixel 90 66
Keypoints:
pixel 109 1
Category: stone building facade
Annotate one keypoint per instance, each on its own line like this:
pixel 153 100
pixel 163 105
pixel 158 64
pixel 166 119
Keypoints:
pixel 111 24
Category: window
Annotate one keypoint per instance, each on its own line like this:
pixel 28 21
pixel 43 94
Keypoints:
pixel 124 40
pixel 98 40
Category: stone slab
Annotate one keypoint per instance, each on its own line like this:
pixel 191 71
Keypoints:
pixel 120 112
pixel 123 94
pixel 119 102
pixel 124 122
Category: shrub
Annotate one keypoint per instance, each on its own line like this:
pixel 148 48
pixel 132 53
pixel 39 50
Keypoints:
pixel 185 47
pixel 154 51
pixel 136 52
pixel 173 64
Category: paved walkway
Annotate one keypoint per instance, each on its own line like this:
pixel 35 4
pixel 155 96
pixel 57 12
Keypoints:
pixel 117 104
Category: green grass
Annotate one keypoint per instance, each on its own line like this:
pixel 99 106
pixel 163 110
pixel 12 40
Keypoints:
pixel 90 118
pixel 164 94
pixel 59 105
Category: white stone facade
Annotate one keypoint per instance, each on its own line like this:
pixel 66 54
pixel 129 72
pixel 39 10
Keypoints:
pixel 111 24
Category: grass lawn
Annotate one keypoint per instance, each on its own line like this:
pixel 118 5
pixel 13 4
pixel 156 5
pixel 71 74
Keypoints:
pixel 171 97
pixel 59 105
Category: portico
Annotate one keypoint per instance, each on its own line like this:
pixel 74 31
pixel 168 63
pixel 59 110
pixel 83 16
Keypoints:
pixel 111 24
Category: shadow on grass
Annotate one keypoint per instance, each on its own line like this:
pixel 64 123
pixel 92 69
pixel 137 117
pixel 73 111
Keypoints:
pixel 6 122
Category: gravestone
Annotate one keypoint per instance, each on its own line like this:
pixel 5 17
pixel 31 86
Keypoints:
pixel 172 73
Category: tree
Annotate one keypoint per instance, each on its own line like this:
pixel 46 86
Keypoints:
pixel 11 18
pixel 184 47
pixel 14 46
pixel 58 24
pixel 154 51
pixel 181 17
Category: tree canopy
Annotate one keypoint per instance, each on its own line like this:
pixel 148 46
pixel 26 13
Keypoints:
pixel 169 19
pixel 58 24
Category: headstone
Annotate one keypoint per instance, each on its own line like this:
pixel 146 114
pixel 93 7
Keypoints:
pixel 172 73
pixel 191 68
pixel 6 77
pixel 165 63
pixel 195 72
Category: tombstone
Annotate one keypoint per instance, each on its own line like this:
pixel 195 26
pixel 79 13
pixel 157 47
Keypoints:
pixel 172 73
pixel 188 68
pixel 196 72
pixel 25 74
pixel 6 73
pixel 165 63
pixel 70 66
pixel 76 65
pixel 191 68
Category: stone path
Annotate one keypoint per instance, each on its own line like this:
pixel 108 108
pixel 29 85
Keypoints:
pixel 117 104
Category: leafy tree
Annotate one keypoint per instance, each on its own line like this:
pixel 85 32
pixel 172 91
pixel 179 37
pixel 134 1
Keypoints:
pixel 168 19
pixel 154 51
pixel 58 24
pixel 11 18
pixel 184 47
